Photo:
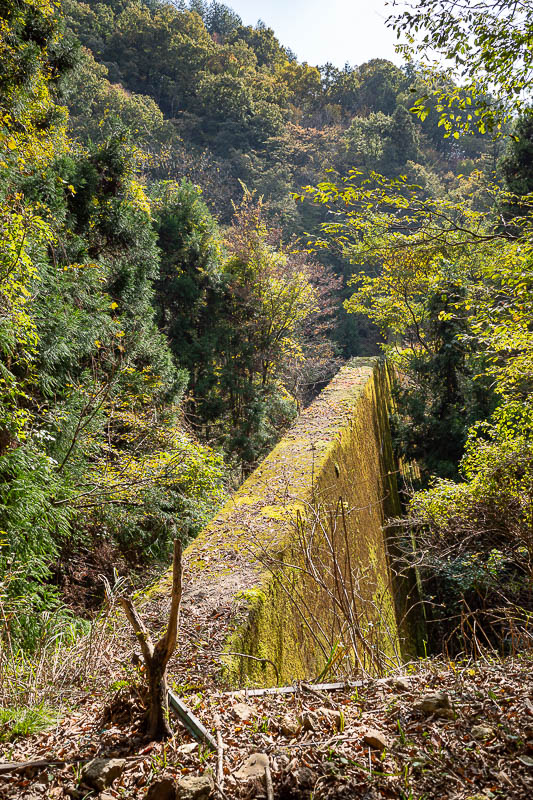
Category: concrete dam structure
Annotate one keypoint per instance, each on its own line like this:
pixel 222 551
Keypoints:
pixel 300 552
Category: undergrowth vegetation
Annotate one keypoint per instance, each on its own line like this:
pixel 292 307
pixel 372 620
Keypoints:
pixel 25 722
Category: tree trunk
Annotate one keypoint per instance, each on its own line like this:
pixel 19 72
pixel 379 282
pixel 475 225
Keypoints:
pixel 157 716
pixel 157 657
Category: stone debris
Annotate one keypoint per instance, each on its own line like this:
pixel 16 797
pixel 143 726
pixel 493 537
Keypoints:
pixel 289 726
pixel 193 787
pixel 400 683
pixel 305 777
pixel 374 738
pixel 242 712
pixel 298 782
pixel 253 767
pixel 482 732
pixel 309 721
pixel 334 717
pixel 188 748
pixel 101 772
pixel 433 702
pixel 164 788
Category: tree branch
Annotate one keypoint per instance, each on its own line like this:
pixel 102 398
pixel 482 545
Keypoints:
pixel 139 627
pixel 170 638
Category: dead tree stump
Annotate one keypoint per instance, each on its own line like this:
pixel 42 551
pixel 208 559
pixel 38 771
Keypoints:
pixel 156 657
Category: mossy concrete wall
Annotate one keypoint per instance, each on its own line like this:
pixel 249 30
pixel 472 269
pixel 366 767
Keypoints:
pixel 317 504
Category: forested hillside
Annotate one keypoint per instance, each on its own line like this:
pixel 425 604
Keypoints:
pixel 160 296
pixel 134 327
pixel 234 106
pixel 197 231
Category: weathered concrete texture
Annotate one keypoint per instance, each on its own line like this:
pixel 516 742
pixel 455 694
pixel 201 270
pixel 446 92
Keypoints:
pixel 317 505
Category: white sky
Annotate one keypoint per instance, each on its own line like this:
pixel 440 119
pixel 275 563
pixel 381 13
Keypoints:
pixel 319 31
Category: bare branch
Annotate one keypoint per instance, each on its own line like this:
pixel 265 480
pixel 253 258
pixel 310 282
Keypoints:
pixel 139 627
pixel 171 635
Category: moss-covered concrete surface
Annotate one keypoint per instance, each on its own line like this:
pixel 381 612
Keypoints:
pixel 300 548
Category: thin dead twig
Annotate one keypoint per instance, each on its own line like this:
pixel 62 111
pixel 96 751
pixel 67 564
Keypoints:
pixel 220 756
pixel 268 781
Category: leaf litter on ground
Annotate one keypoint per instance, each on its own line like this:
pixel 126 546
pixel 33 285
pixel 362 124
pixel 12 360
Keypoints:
pixel 440 730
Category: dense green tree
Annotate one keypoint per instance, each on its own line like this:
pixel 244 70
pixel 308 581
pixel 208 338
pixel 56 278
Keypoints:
pixel 262 40
pixel 489 44
pixel 517 162
pixel 403 143
pixel 380 82
pixel 304 86
pixel 221 20
pixel 98 109
pixel 366 140
pixel 91 445
pixel 270 297
pixel 234 320
pixel 190 294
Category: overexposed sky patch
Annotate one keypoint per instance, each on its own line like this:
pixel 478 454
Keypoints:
pixel 321 31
